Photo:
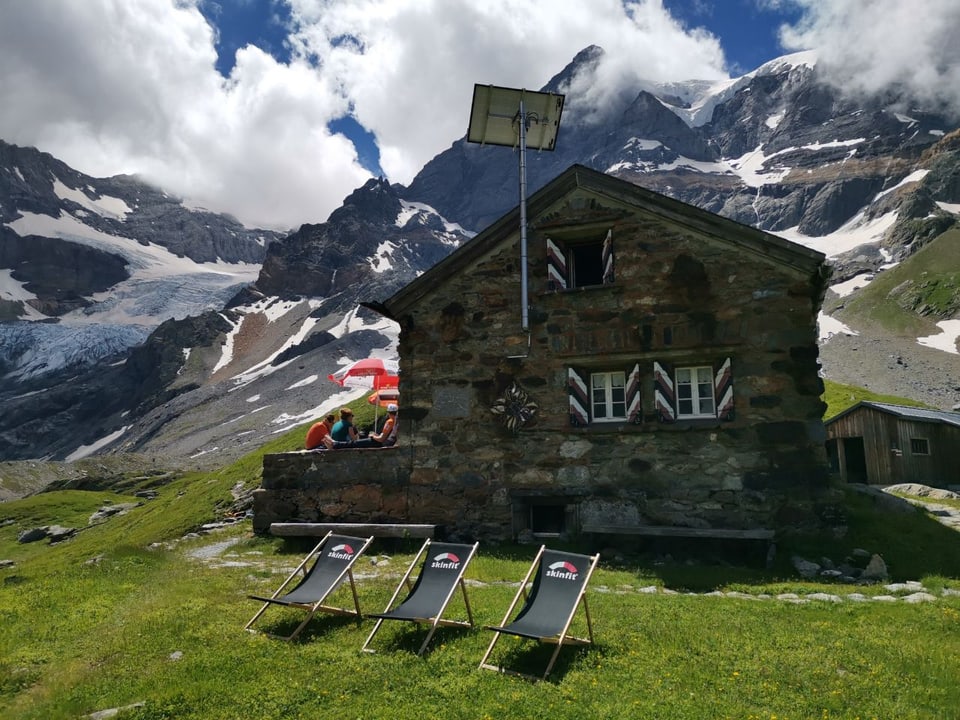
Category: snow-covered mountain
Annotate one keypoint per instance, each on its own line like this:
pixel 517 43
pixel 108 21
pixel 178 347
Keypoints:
pixel 868 181
pixel 89 267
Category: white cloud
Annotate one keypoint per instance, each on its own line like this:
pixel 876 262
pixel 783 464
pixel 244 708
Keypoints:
pixel 868 45
pixel 408 66
pixel 113 86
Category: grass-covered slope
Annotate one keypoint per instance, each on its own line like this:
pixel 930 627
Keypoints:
pixel 839 397
pixel 910 298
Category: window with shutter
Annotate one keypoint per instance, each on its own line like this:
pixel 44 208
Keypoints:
pixel 580 262
pixel 694 392
pixel 606 396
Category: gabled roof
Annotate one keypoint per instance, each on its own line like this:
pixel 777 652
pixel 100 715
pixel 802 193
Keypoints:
pixel 784 252
pixel 905 412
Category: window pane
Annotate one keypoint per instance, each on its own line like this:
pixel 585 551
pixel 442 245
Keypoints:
pixel 586 260
pixel 608 395
pixel 695 391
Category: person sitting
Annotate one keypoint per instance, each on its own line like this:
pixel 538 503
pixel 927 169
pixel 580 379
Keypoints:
pixel 344 430
pixel 388 433
pixel 387 436
pixel 318 431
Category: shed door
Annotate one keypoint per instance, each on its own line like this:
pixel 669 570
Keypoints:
pixel 856 460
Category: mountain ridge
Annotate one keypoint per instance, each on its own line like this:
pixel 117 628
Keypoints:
pixel 782 151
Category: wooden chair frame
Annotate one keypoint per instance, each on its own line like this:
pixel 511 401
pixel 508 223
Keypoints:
pixel 562 638
pixel 438 620
pixel 319 605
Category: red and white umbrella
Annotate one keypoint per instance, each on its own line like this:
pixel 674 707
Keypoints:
pixel 371 372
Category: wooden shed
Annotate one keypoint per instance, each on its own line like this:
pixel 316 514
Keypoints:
pixel 883 444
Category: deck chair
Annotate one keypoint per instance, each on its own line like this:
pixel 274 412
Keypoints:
pixel 443 568
pixel 335 556
pixel 558 590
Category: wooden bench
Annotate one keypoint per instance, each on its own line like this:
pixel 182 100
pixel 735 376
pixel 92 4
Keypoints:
pixel 668 531
pixel 687 532
pixel 383 530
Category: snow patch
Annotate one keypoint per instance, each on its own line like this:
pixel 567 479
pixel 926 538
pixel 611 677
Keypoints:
pixel 829 326
pixel 915 176
pixel 104 205
pixel 15 291
pixel 774 120
pixel 161 286
pixel 636 143
pixel 226 352
pixel 408 210
pixel 352 323
pixel 331 404
pixel 853 234
pixel 380 260
pixel 303 383
pixel 855 283
pixel 87 450
pixel 950 207
pixel 16 171
pixel 946 339
pixel 253 398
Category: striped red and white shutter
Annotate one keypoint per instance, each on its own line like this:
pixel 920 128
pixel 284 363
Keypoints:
pixel 579 397
pixel 723 390
pixel 634 409
pixel 556 266
pixel 664 398
pixel 608 258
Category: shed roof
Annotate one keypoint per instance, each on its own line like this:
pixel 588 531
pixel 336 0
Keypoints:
pixel 784 252
pixel 904 411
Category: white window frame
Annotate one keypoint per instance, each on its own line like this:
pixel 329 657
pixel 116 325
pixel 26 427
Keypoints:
pixel 697 376
pixel 608 401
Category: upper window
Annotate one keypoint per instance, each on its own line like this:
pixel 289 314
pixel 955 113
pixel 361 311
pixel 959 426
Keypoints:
pixel 919 446
pixel 608 398
pixel 695 392
pixel 581 262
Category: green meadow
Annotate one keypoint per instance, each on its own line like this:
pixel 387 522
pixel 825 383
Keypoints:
pixel 141 614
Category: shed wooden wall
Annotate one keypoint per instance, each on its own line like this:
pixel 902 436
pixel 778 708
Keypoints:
pixel 888 455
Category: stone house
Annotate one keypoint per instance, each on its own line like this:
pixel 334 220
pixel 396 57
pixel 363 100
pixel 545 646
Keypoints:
pixel 885 444
pixel 665 376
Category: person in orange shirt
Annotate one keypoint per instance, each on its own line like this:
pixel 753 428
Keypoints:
pixel 318 431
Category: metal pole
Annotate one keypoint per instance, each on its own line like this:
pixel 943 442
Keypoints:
pixel 524 323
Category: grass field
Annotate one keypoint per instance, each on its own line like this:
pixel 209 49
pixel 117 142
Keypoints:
pixel 125 614
pixel 139 613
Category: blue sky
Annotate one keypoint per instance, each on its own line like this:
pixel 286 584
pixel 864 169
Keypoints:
pixel 748 30
pixel 276 110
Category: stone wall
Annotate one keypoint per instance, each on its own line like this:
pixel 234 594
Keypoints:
pixel 679 298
